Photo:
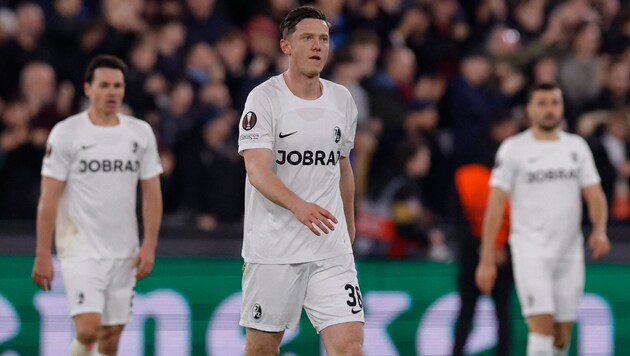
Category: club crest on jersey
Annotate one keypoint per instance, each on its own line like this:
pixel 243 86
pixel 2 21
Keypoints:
pixel 337 134
pixel 249 121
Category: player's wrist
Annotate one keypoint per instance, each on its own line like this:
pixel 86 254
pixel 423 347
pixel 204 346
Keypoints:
pixel 43 252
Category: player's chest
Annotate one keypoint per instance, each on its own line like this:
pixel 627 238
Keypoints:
pixel 310 129
pixel 560 165
pixel 107 153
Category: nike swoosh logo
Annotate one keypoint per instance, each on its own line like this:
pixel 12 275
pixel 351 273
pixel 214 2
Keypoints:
pixel 85 147
pixel 286 135
pixel 356 311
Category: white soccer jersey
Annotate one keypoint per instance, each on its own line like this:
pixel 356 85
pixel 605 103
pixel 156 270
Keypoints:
pixel 101 166
pixel 545 181
pixel 307 138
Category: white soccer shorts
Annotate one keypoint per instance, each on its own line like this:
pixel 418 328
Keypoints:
pixel 273 295
pixel 104 286
pixel 549 286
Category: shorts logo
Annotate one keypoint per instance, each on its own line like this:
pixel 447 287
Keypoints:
pixel 257 311
pixel 355 301
pixel 249 121
pixel 80 298
pixel 530 300
pixel 337 134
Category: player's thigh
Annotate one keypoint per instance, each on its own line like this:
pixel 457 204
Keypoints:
pixel 534 285
pixel 344 338
pixel 333 295
pixel 569 288
pixel 273 296
pixel 84 285
pixel 119 293
pixel 261 343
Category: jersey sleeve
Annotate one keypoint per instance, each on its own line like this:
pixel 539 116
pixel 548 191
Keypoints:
pixel 504 171
pixel 150 165
pixel 256 127
pixel 58 157
pixel 348 139
pixel 588 170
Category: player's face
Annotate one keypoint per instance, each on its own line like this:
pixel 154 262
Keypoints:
pixel 545 109
pixel 106 91
pixel 308 46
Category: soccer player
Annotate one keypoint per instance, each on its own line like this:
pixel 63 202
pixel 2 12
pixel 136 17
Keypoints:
pixel 545 172
pixel 90 175
pixel 295 136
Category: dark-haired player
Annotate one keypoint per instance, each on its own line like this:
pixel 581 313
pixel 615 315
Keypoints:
pixel 90 174
pixel 545 172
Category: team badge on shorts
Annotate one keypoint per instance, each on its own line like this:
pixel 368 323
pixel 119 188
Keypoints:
pixel 80 298
pixel 257 311
pixel 249 121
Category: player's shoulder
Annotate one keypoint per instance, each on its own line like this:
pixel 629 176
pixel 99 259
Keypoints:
pixel 267 88
pixel 573 138
pixel 338 90
pixel 518 140
pixel 135 124
pixel 71 123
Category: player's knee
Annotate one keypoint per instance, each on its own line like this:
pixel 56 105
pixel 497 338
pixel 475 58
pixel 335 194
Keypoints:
pixel 108 348
pixel 354 349
pixel 108 342
pixel 87 334
pixel 561 341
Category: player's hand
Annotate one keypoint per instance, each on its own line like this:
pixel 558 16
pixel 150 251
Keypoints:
pixel 315 217
pixel 43 271
pixel 599 244
pixel 144 261
pixel 485 276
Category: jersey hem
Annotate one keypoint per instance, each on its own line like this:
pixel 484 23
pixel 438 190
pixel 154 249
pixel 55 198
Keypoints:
pixel 289 261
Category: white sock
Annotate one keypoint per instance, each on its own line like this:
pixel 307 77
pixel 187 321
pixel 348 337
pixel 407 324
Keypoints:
pixel 79 349
pixel 561 352
pixel 95 351
pixel 539 345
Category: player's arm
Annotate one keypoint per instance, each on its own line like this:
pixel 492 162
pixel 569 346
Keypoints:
pixel 51 191
pixel 346 186
pixel 262 177
pixel 151 218
pixel 598 214
pixel 487 269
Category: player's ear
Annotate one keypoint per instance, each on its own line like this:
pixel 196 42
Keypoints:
pixel 285 46
pixel 87 88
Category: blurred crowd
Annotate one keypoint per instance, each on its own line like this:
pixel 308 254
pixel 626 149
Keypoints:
pixel 431 79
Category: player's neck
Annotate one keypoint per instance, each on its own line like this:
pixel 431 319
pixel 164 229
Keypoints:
pixel 100 118
pixel 545 135
pixel 302 86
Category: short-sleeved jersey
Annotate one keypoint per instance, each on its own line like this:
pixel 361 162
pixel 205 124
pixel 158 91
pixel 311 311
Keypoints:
pixel 545 181
pixel 101 166
pixel 307 138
